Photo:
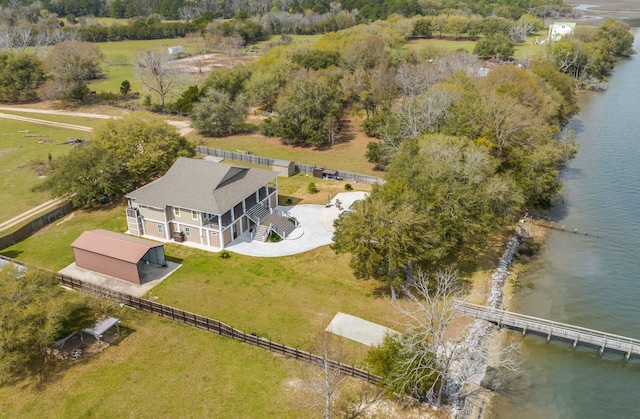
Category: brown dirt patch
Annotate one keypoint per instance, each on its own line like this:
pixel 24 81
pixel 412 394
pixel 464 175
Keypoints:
pixel 204 63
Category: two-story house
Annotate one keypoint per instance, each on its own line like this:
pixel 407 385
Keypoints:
pixel 202 202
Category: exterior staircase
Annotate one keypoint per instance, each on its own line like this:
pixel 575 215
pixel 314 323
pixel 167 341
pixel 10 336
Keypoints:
pixel 262 232
pixel 258 213
pixel 277 223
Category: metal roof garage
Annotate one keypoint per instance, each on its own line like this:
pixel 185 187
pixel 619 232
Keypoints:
pixel 116 254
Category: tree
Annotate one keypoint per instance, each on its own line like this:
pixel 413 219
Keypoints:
pixel 615 38
pixel 74 62
pixel 323 384
pixel 70 64
pixel 125 87
pixel 305 111
pixel 20 75
pixel 147 146
pixel 156 74
pixel 87 175
pixel 384 235
pixel 218 114
pixel 498 46
pixel 229 80
pixel 265 84
pixel 425 361
pixel 442 194
pixel 123 153
pixel 33 314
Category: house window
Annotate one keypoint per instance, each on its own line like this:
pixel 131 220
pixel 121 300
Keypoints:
pixel 194 215
pixel 187 231
pixel 160 229
pixel 176 211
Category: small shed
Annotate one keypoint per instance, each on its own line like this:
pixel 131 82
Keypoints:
pixel 330 174
pixel 116 254
pixel 285 168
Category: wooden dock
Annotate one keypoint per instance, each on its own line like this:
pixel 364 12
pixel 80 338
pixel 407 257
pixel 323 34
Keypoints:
pixel 551 329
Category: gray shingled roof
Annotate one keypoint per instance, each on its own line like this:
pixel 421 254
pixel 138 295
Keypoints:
pixel 203 186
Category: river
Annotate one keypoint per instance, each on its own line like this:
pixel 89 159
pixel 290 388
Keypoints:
pixel 593 280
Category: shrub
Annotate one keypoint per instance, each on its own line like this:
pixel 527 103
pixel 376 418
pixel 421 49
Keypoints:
pixel 348 187
pixel 312 188
pixel 225 254
pixel 274 237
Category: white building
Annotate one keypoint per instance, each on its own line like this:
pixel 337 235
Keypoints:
pixel 558 30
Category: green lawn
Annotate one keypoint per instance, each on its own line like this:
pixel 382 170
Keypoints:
pixel 348 155
pixel 440 45
pixel 286 299
pixel 161 369
pixel 526 50
pixel 20 153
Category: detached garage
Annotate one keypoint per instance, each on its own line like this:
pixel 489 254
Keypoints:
pixel 116 254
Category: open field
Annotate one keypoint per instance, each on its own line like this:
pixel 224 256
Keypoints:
pixel 348 155
pixel 162 369
pixel 23 158
pixel 74 120
pixel 120 58
pixel 526 50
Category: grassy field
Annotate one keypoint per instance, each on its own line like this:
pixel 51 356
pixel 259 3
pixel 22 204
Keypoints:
pixel 161 369
pixel 528 49
pixel 20 153
pixel 120 58
pixel 348 155
pixel 74 120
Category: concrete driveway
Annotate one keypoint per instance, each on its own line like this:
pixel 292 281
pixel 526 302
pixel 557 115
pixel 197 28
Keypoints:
pixel 315 229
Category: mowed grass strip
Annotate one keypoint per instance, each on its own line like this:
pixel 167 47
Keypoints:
pixel 20 154
pixel 161 369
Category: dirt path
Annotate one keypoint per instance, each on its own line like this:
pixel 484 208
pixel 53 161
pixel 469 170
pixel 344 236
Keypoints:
pixel 30 213
pixel 43 122
pixel 184 127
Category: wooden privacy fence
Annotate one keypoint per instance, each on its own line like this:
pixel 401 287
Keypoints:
pixel 206 323
pixel 266 161
pixel 35 225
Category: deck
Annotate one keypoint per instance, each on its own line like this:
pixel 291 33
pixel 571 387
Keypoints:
pixel 551 329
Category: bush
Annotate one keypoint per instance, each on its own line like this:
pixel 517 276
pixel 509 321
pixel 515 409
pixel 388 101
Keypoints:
pixel 348 187
pixel 225 254
pixel 312 188
pixel 274 237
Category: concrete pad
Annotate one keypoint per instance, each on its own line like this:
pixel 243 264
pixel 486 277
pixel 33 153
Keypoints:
pixel 360 330
pixel 150 275
pixel 315 229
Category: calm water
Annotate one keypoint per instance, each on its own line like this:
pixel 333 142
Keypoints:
pixel 586 280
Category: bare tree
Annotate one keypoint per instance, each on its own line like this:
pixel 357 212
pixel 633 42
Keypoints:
pixel 188 12
pixel 22 37
pixel 431 350
pixel 156 73
pixel 422 113
pixel 322 384
pixel 415 79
